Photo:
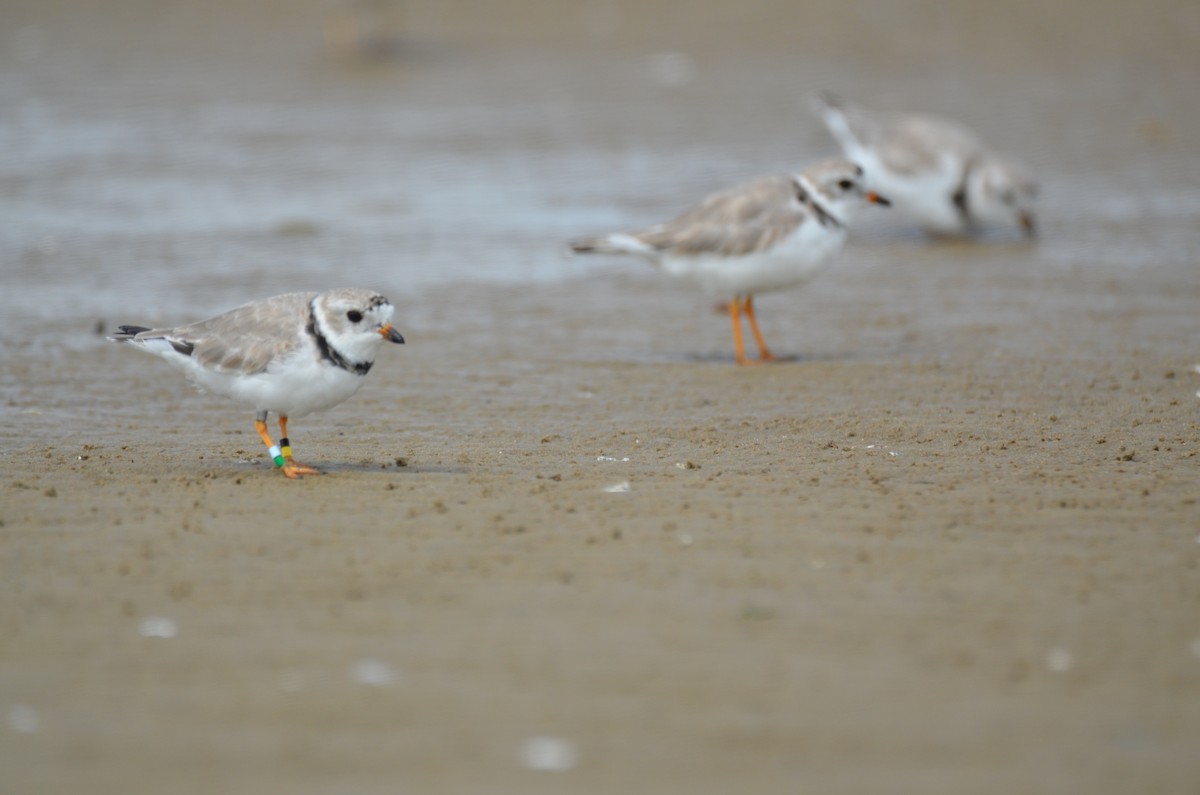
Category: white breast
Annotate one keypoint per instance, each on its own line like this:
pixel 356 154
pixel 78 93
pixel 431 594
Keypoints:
pixel 925 197
pixel 292 387
pixel 793 260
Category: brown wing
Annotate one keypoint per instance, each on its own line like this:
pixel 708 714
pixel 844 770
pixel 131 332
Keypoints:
pixel 247 339
pixel 913 144
pixel 742 220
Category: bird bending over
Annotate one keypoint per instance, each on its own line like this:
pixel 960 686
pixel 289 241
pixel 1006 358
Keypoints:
pixel 933 169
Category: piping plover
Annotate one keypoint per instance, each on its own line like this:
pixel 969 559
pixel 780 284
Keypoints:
pixel 766 234
pixel 291 354
pixel 934 169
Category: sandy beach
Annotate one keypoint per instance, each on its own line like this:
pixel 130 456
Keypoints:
pixel 950 544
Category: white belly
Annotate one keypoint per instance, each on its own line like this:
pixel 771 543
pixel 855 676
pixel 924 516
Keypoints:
pixel 291 389
pixel 794 260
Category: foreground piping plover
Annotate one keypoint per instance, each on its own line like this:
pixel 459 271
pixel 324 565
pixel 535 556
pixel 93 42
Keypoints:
pixel 935 170
pixel 291 354
pixel 767 234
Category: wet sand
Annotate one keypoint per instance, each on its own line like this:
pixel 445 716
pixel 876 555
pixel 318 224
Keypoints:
pixel 950 544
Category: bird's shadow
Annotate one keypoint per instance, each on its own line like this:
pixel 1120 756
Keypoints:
pixel 336 467
pixel 713 357
pixel 234 469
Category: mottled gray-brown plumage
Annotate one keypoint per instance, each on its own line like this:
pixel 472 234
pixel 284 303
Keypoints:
pixel 235 342
pixel 907 144
pixel 747 218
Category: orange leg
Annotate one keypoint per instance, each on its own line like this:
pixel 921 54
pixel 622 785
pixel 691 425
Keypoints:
pixel 293 465
pixel 739 351
pixel 285 464
pixel 763 353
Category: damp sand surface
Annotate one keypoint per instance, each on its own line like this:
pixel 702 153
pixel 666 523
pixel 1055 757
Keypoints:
pixel 949 544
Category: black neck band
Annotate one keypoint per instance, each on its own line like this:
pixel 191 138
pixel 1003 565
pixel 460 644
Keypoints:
pixel 824 217
pixel 327 351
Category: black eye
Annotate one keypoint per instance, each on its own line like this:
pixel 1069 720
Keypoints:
pixel 845 184
pixel 354 316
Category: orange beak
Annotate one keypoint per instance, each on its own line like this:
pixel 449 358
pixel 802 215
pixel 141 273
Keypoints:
pixel 1029 225
pixel 875 198
pixel 390 334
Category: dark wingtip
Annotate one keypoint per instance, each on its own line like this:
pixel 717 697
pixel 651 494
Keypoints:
pixel 127 332
pixel 829 98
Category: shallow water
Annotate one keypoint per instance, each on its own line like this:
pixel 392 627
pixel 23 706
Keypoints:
pixel 163 163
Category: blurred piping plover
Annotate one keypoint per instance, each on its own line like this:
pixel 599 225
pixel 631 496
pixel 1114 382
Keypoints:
pixel 291 354
pixel 934 169
pixel 767 234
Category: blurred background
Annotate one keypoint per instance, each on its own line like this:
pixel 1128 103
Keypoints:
pixel 171 159
pixel 163 161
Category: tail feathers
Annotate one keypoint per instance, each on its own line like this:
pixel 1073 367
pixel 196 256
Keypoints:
pixel 593 244
pixel 825 99
pixel 833 111
pixel 610 244
pixel 125 333
pixel 160 345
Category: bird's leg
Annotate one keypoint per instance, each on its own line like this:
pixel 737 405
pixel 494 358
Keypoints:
pixel 764 354
pixel 289 463
pixel 739 351
pixel 260 425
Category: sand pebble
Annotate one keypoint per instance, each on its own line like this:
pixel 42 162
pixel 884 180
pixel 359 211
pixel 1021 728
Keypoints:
pixel 618 488
pixel 551 754
pixel 23 719
pixel 1059 660
pixel 157 627
pixel 373 672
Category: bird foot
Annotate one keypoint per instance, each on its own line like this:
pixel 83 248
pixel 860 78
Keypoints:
pixel 295 470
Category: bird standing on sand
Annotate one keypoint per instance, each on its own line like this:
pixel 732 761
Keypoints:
pixel 767 234
pixel 291 354
pixel 933 169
